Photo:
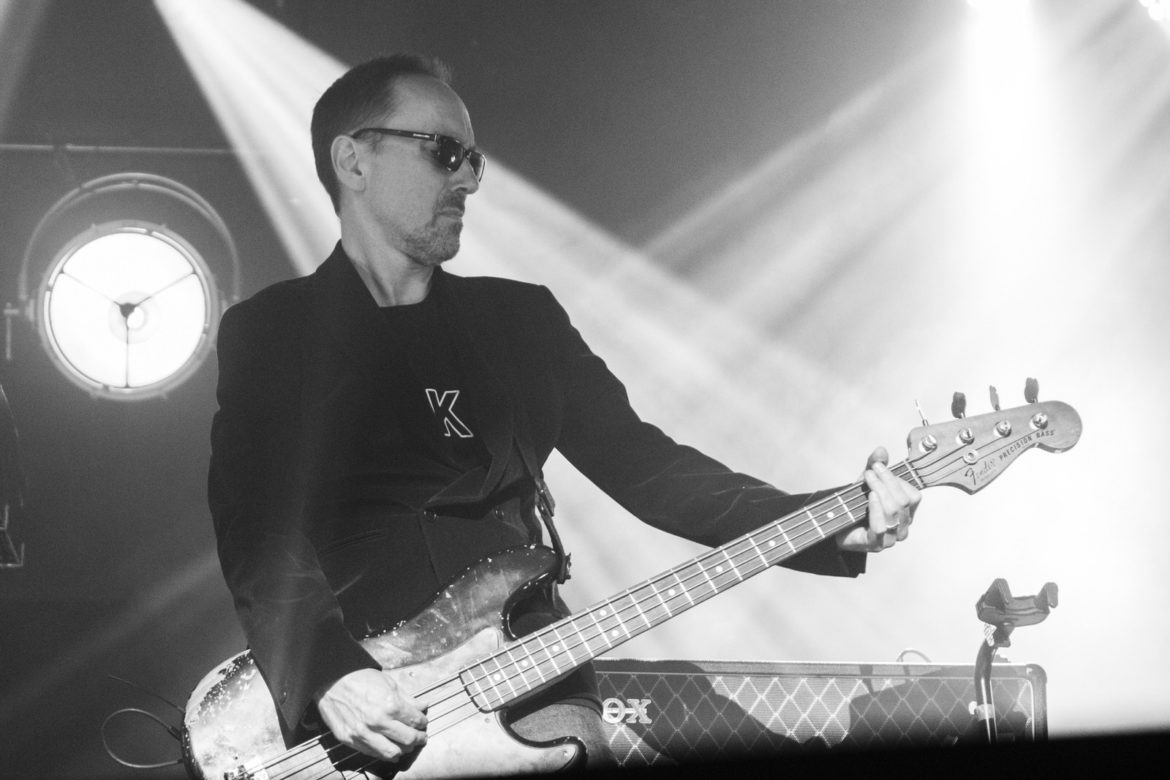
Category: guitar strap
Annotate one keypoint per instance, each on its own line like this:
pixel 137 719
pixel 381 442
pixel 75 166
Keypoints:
pixel 545 508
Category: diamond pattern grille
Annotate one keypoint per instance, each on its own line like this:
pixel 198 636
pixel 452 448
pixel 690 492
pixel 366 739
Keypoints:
pixel 715 711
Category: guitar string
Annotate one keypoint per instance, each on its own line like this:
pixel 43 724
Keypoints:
pixel 906 468
pixel 744 546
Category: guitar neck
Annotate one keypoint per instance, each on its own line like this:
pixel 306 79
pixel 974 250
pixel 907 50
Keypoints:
pixel 561 647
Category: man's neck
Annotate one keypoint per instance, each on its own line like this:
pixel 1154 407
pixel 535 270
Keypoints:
pixel 392 278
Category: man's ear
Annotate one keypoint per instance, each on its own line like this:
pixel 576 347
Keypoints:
pixel 347 163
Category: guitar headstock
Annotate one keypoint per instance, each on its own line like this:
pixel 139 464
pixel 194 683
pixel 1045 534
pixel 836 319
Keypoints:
pixel 970 452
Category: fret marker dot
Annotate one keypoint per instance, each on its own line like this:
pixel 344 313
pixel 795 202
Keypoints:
pixel 613 633
pixel 832 515
pixel 671 591
pixel 604 612
pixel 556 648
pixel 718 569
pixel 524 663
pixel 497 676
pixel 772 543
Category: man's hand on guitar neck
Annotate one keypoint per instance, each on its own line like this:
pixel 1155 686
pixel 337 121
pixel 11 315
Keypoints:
pixel 892 502
pixel 367 711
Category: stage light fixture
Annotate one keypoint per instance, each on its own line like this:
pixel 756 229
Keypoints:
pixel 127 307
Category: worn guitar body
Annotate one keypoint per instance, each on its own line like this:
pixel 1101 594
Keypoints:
pixel 231 727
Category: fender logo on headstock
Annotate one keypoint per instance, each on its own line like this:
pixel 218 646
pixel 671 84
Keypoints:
pixel 986 444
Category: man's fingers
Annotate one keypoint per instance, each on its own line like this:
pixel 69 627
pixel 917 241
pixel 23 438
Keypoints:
pixel 402 734
pixel 897 498
pixel 388 741
pixel 376 745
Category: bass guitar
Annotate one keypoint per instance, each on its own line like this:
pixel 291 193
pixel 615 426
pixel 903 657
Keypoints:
pixel 458 658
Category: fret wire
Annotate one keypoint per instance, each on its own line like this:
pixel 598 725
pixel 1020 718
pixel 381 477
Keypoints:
pixel 732 564
pixel 638 607
pixel 604 633
pixel 495 692
pixel 527 665
pixel 650 605
pixel 815 524
pixel 759 552
pixel 539 637
pixel 909 472
pixel 845 506
pixel 665 606
pixel 703 571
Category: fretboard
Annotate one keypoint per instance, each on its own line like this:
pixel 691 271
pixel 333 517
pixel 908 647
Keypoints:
pixel 561 647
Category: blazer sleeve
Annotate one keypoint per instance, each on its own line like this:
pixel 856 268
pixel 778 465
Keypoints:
pixel 257 484
pixel 663 483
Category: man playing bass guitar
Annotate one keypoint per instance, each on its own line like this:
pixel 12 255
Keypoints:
pixel 383 423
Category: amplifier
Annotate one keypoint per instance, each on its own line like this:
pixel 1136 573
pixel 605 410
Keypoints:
pixel 662 713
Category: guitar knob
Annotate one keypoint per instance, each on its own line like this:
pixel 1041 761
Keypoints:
pixel 1003 428
pixel 928 443
pixel 966 436
pixel 1040 421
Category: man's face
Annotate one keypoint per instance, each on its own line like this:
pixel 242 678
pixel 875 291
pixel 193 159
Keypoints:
pixel 415 202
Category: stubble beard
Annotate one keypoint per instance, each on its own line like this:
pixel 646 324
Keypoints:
pixel 435 244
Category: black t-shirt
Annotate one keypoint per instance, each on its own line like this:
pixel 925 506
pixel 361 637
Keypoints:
pixel 434 440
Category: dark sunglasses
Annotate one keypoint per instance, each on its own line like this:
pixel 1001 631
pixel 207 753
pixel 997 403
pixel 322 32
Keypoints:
pixel 448 152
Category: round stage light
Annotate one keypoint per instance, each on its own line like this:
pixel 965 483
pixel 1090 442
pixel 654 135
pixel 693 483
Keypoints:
pixel 128 309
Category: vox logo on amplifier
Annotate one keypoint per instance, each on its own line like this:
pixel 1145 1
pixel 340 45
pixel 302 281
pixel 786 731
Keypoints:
pixel 626 711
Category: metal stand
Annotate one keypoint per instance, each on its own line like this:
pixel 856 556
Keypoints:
pixel 1003 612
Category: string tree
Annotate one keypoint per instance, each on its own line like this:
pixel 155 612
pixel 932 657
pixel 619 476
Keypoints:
pixel 921 414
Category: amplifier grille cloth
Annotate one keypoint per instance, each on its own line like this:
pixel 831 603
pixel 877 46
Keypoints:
pixel 667 712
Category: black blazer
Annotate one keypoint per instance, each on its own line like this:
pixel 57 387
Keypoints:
pixel 302 373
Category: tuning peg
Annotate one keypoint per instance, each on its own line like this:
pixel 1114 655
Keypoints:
pixel 1031 390
pixel 994 398
pixel 959 405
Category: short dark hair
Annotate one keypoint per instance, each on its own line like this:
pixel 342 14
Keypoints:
pixel 364 93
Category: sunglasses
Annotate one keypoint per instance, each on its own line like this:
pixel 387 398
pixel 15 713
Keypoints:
pixel 448 153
